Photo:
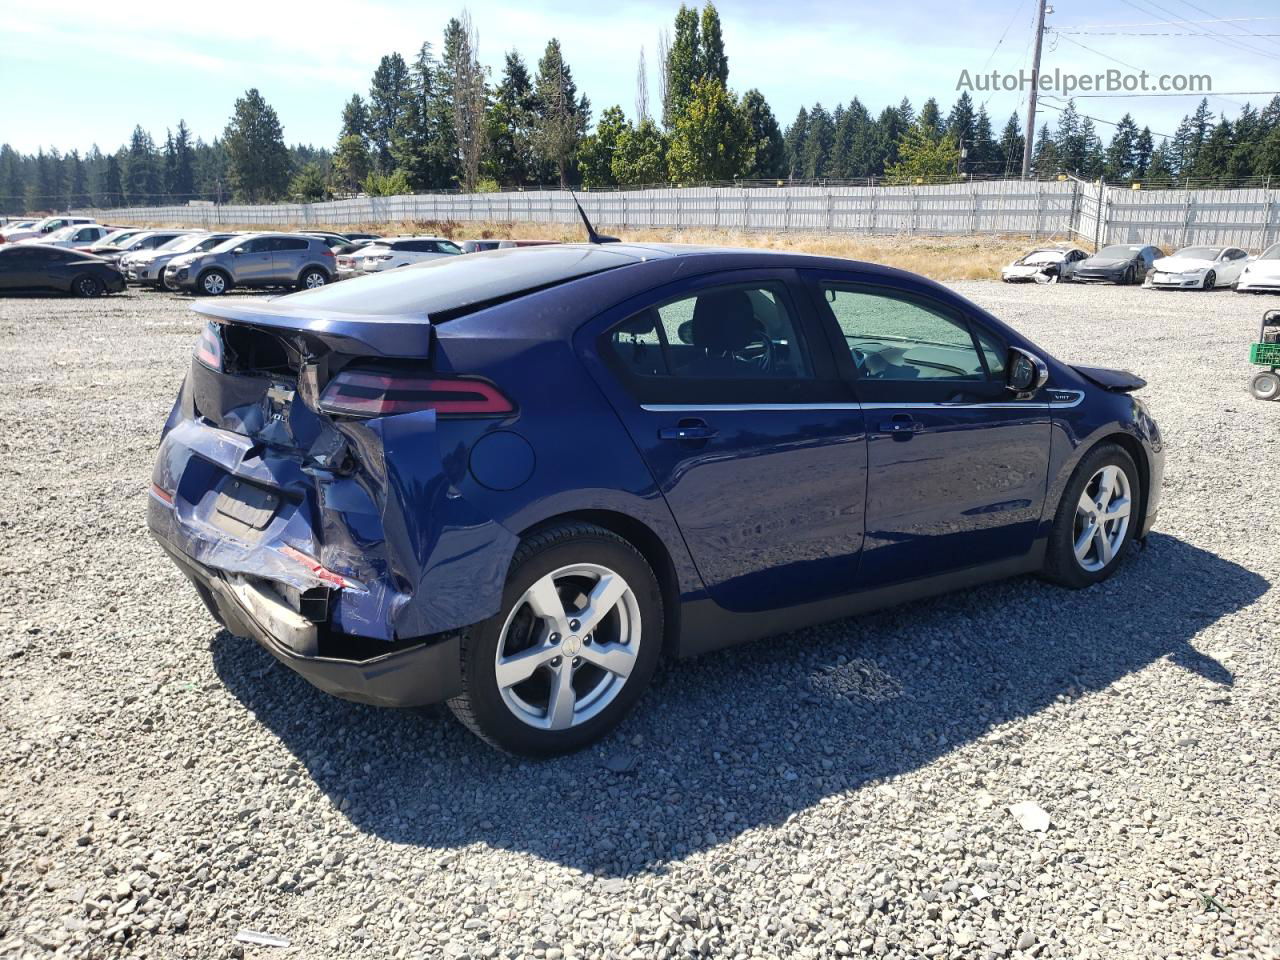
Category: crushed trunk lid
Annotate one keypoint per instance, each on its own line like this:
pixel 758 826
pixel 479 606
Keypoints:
pixel 397 336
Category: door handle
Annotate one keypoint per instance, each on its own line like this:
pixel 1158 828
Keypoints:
pixel 901 426
pixel 692 429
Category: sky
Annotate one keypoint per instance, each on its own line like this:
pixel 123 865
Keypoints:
pixel 77 73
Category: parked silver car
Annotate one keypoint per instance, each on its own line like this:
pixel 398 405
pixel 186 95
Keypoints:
pixel 254 260
pixel 142 242
pixel 147 266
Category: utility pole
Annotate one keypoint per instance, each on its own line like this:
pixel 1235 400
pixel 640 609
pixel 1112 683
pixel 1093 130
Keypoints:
pixel 1035 89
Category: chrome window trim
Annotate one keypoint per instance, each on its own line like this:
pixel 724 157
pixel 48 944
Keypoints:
pixel 741 407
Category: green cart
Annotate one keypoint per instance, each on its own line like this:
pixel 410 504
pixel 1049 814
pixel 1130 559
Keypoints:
pixel 1265 384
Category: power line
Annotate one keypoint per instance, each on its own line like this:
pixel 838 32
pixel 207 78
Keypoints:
pixel 1214 35
pixel 1109 123
pixel 1171 23
pixel 1131 66
pixel 1135 33
pixel 1247 32
pixel 1190 93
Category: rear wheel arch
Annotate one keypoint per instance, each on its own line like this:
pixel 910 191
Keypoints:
pixel 639 535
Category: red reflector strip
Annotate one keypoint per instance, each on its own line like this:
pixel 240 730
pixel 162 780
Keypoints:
pixel 320 572
pixel 158 491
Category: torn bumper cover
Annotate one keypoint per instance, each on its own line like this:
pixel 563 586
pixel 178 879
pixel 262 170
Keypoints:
pixel 416 675
pixel 358 580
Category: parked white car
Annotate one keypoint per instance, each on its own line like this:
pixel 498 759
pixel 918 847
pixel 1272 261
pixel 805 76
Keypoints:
pixel 79 236
pixel 1044 265
pixel 1199 268
pixel 1262 274
pixel 400 252
pixel 44 227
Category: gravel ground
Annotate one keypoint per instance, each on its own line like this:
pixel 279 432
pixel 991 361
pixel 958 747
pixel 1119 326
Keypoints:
pixel 840 791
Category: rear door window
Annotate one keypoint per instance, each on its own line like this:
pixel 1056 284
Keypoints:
pixel 739 343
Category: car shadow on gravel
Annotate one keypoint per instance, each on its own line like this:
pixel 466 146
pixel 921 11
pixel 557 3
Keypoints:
pixel 743 739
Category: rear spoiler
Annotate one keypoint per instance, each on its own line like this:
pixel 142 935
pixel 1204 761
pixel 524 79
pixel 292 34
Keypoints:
pixel 1117 381
pixel 349 333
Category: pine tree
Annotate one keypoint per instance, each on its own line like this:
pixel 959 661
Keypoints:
pixel 819 137
pixel 684 63
pixel 1214 155
pixel 561 116
pixel 1120 162
pixel 170 163
pixel 714 63
pixel 142 177
pixel 765 151
pixel 1011 147
pixel 1044 159
pixel 257 158
pixel 355 118
pixel 78 180
pixel 1143 147
pixel 463 83
pixel 890 126
pixel 184 175
pixel 929 123
pixel 793 142
pixel 511 114
pixel 984 153
pixel 388 103
pixel 112 183
pixel 960 121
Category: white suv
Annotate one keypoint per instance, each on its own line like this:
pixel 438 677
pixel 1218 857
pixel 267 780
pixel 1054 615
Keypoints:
pixel 400 252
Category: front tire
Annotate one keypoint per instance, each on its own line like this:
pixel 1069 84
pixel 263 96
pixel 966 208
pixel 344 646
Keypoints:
pixel 213 283
pixel 87 286
pixel 1096 518
pixel 1210 280
pixel 1129 276
pixel 572 649
pixel 1265 385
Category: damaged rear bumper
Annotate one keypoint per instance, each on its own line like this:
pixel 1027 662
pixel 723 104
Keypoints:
pixel 415 675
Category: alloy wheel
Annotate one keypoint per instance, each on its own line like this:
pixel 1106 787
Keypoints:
pixel 215 284
pixel 313 279
pixel 568 646
pixel 1102 518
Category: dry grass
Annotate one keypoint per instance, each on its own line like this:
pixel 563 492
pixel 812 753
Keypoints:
pixel 942 258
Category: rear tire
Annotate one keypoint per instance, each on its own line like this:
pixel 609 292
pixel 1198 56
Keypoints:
pixel 213 283
pixel 1265 385
pixel 1096 520
pixel 534 676
pixel 312 278
pixel 87 286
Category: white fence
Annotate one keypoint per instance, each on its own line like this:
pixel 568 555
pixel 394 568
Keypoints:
pixel 1241 217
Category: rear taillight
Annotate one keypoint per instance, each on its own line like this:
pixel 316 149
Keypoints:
pixel 209 347
pixel 361 393
pixel 327 253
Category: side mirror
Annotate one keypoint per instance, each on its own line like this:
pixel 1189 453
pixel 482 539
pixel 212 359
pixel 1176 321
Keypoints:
pixel 237 251
pixel 1024 372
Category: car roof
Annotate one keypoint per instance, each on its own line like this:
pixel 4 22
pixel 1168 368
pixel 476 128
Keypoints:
pixel 450 287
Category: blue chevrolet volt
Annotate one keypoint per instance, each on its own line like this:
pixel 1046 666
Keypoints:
pixel 512 481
